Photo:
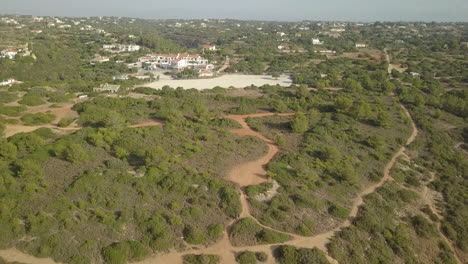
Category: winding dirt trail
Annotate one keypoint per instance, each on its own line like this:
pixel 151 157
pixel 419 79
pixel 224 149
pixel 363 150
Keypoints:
pixel 429 200
pixel 253 172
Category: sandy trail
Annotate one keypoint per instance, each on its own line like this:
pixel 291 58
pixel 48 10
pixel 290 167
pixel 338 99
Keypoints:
pixel 392 66
pixel 225 65
pixel 429 200
pixel 15 129
pixel 254 173
pixel 14 255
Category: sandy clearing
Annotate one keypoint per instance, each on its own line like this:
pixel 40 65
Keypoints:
pixel 225 81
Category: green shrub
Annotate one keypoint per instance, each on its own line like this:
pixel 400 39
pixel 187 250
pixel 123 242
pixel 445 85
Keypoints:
pixel 246 257
pixel 338 211
pixel 194 236
pixel 64 122
pixel 215 231
pixel 12 110
pixel 201 259
pixel 37 119
pixel 423 227
pixel 292 255
pixel 31 100
pixel 261 256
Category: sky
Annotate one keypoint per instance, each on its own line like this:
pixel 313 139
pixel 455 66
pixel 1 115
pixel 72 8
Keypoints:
pixel 280 10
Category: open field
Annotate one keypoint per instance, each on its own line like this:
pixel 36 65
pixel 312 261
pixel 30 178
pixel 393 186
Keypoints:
pixel 225 81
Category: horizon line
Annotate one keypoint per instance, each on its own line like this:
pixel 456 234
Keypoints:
pixel 255 20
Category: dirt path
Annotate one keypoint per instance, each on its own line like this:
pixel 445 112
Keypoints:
pixel 392 66
pixel 225 65
pixel 253 173
pixel 429 200
pixel 15 129
pixel 14 255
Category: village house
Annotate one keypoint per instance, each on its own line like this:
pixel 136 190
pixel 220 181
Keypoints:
pixel 361 45
pixel 121 77
pixel 36 31
pixel 205 73
pixel 209 47
pixel 284 47
pixel 175 61
pixel 121 48
pixel 8 53
pixel 99 59
pixel 327 52
pixel 107 88
pixel 10 82
pixel 337 30
pixel 64 26
pixel 316 42
pixel 204 67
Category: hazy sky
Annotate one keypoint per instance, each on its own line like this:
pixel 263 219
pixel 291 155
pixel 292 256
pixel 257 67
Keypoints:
pixel 345 10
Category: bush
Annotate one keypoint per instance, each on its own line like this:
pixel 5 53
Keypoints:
pixel 122 252
pixel 194 236
pixel 423 227
pixel 246 257
pixel 75 153
pixel 292 255
pixel 64 122
pixel 261 256
pixel 31 100
pixel 12 110
pixel 338 211
pixel 201 259
pixel 215 231
pixel 37 119
pixel 299 123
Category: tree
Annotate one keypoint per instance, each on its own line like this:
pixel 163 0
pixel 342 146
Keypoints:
pixel 361 110
pixel 75 153
pixel 299 123
pixel 352 85
pixel 302 91
pixel 275 75
pixel 383 119
pixel 8 150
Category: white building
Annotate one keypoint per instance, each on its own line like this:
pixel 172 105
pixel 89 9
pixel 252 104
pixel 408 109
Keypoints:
pixel 176 61
pixel 107 88
pixel 132 48
pixel 9 82
pixel 9 53
pixel 209 47
pixel 121 48
pixel 36 31
pixel 361 45
pixel 121 77
pixel 284 47
pixel 316 42
pixel 338 30
pixel 205 73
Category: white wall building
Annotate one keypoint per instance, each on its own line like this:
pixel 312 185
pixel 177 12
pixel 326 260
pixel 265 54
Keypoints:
pixel 175 61
pixel 9 53
pixel 9 82
pixel 316 42
pixel 361 45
